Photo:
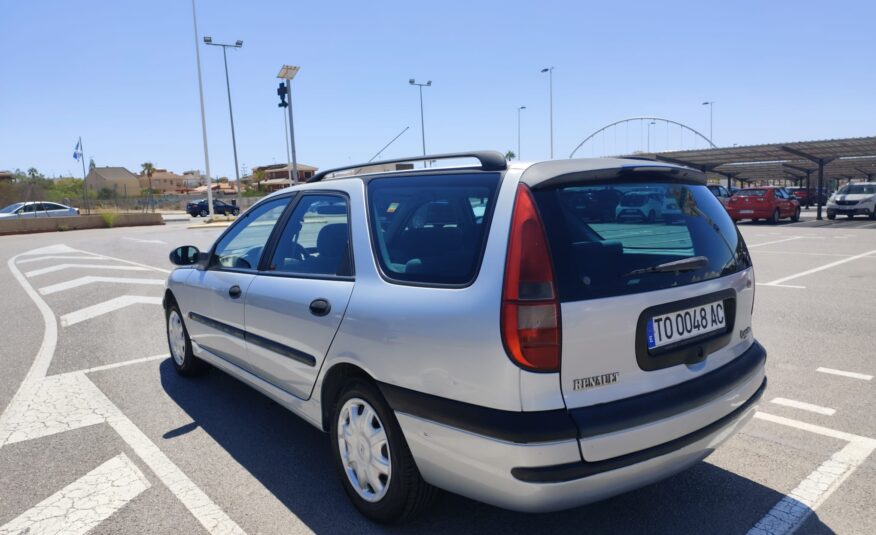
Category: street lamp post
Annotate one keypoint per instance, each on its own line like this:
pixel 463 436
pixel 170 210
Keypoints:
pixel 203 116
pixel 288 72
pixel 649 134
pixel 550 71
pixel 237 44
pixel 422 121
pixel 521 108
pixel 711 105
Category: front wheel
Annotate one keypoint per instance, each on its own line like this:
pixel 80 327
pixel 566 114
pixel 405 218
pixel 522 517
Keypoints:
pixel 796 216
pixel 184 360
pixel 376 467
pixel 831 216
pixel 235 212
pixel 204 213
pixel 873 213
pixel 850 216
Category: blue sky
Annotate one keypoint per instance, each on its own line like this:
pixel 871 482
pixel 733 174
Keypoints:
pixel 122 75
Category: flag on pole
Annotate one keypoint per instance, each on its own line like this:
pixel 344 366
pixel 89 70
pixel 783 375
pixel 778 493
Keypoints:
pixel 77 152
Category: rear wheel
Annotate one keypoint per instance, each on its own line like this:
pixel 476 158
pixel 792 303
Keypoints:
pixel 180 345
pixel 831 216
pixel 204 213
pixel 796 216
pixel 873 213
pixel 774 220
pixel 375 465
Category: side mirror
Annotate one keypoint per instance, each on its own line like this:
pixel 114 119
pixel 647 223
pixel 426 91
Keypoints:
pixel 187 255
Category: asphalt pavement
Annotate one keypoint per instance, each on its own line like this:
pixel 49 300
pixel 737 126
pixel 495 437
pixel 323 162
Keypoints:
pixel 99 434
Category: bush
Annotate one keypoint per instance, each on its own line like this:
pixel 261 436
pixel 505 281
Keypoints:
pixel 109 218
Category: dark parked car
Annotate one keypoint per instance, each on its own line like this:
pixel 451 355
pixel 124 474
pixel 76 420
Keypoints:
pixel 200 208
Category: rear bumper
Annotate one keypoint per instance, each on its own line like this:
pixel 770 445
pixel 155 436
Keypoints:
pixel 763 213
pixel 539 470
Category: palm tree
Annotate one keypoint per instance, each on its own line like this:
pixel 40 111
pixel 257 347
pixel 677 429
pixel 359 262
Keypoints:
pixel 33 173
pixel 510 155
pixel 148 169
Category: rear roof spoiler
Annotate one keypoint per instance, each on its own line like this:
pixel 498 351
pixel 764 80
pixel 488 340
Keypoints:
pixel 558 172
pixel 490 160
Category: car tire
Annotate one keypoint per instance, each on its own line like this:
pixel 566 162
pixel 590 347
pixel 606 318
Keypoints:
pixel 180 345
pixel 873 213
pixel 204 213
pixel 796 217
pixel 404 494
pixel 850 216
pixel 651 216
pixel 774 220
pixel 831 216
pixel 235 212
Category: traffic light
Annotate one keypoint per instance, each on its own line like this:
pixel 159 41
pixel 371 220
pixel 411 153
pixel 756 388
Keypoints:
pixel 281 92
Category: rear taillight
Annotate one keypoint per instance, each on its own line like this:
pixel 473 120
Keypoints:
pixel 530 308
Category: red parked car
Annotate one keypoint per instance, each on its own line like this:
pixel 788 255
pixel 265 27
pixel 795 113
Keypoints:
pixel 768 203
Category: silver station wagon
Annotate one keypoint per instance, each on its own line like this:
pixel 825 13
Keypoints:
pixel 492 329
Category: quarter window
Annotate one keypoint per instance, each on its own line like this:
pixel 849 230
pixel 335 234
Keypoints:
pixel 316 239
pixel 242 247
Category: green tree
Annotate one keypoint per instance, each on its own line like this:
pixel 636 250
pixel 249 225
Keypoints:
pixel 32 173
pixel 148 170
pixel 510 155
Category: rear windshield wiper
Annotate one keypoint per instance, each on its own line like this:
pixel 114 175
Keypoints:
pixel 687 264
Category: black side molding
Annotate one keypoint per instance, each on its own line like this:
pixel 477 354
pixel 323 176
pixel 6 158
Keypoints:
pixel 518 427
pixel 581 469
pixel 261 341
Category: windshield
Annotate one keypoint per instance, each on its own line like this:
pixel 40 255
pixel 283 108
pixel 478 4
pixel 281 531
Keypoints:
pixel 750 193
pixel 858 189
pixel 596 241
pixel 11 208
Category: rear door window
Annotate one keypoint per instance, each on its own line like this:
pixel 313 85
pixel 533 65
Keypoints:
pixel 431 229
pixel 603 245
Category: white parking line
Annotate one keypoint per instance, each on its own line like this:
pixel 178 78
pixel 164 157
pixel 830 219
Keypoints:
pixel 125 363
pixel 853 375
pixel 106 307
pixel 60 257
pixel 61 267
pixel 795 507
pixel 145 241
pixel 781 285
pixel 85 503
pixel 774 241
pixel 82 281
pixel 804 406
pixel 778 282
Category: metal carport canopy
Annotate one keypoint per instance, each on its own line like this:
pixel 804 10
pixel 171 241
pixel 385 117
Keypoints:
pixel 839 158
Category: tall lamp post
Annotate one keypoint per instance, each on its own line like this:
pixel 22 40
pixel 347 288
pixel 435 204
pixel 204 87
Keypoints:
pixel 711 105
pixel 288 72
pixel 237 44
pixel 203 116
pixel 422 122
pixel 649 135
pixel 550 71
pixel 521 108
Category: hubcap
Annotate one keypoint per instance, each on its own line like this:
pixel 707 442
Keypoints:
pixel 177 337
pixel 364 449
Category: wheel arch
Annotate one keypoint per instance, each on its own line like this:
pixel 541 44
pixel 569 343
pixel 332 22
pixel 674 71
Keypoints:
pixel 332 384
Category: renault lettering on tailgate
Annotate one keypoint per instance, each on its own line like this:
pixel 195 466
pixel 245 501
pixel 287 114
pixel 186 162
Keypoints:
pixel 683 325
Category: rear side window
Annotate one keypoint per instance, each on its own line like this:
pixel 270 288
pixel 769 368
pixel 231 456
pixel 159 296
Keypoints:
pixel 603 246
pixel 431 229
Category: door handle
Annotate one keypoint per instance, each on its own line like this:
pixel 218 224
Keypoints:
pixel 234 291
pixel 320 307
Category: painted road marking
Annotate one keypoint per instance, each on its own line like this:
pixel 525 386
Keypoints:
pixel 781 285
pixel 778 282
pixel 853 375
pixel 125 363
pixel 82 281
pixel 795 507
pixel 804 406
pixel 59 257
pixel 106 307
pixel 145 241
pixel 25 405
pixel 85 503
pixel 60 267
pixel 775 241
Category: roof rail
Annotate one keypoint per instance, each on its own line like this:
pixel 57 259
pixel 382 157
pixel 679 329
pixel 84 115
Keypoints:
pixel 490 161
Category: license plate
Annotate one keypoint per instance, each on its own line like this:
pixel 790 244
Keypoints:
pixel 685 324
pixel 746 211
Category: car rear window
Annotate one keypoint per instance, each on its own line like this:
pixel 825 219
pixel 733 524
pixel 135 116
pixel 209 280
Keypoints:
pixel 431 229
pixel 602 248
pixel 751 193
